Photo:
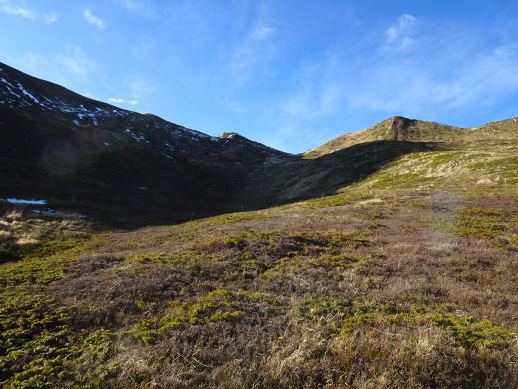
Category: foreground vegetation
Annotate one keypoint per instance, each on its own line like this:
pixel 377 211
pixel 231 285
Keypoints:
pixel 405 279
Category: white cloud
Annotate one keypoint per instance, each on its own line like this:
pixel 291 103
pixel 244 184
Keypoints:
pixel 118 100
pixel 253 49
pixel 90 96
pixel 317 90
pixel 132 5
pixel 50 18
pixel 451 79
pixel 314 102
pixel 449 72
pixel 399 35
pixel 26 13
pixel 262 33
pixel 93 20
pixel 140 7
pixel 22 12
pixel 76 62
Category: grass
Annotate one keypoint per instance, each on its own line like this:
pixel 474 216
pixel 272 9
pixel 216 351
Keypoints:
pixel 406 278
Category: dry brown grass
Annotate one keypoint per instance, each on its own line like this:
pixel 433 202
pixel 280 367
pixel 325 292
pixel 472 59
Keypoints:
pixel 317 322
pixel 377 288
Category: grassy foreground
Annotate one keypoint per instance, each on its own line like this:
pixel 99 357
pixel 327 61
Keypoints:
pixel 405 279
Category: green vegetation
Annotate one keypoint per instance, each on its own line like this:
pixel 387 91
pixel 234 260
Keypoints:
pixel 466 329
pixel 405 278
pixel 35 342
pixel 217 305
pixel 481 222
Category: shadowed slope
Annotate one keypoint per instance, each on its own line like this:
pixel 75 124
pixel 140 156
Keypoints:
pixel 128 169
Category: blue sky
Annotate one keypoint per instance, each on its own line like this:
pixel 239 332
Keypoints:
pixel 290 74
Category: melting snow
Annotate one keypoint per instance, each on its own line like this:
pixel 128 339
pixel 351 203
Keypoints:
pixel 138 138
pixel 15 94
pixel 24 91
pixel 45 212
pixel 14 200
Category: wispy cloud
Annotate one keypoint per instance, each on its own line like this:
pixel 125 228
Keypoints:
pixel 93 19
pixel 314 101
pixel 254 48
pixel 50 18
pixel 447 72
pixel 76 62
pixel 22 12
pixel 132 5
pixel 262 33
pixel 399 35
pixel 7 7
pixel 292 137
pixel 141 7
pixel 118 100
pixel 317 90
pixel 71 67
pixel 441 76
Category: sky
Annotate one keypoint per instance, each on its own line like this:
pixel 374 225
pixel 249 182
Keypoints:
pixel 291 74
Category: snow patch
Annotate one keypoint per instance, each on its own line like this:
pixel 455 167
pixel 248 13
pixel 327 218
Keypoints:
pixel 138 138
pixel 26 93
pixel 44 212
pixel 13 200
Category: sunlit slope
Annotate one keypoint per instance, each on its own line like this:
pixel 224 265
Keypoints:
pixel 402 129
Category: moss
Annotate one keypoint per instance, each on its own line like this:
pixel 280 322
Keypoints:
pixel 250 254
pixel 324 306
pixel 39 268
pixel 92 366
pixel 36 340
pixel 218 305
pixel 327 201
pixel 229 218
pixel 481 222
pixel 215 306
pixel 154 257
pixel 345 261
pixel 466 329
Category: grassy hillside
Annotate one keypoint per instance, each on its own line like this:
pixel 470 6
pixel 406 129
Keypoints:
pixel 405 277
pixel 402 129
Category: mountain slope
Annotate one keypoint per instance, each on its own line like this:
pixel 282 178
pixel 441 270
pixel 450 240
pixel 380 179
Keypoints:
pixel 405 278
pixel 111 163
pixel 128 169
pixel 398 128
pixel 122 167
pixel 402 276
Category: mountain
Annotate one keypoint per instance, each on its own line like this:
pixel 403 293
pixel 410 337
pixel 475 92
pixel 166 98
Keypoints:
pixel 398 128
pixel 113 164
pixel 386 258
pixel 125 168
